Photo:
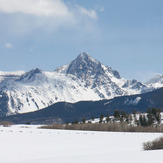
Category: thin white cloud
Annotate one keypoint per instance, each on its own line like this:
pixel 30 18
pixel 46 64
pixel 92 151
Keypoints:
pixel 90 13
pixel 8 45
pixel 25 16
pixel 47 8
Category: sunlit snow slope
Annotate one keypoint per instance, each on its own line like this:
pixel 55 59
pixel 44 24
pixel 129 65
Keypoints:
pixel 26 144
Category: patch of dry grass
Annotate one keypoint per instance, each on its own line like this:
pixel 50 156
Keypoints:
pixel 117 127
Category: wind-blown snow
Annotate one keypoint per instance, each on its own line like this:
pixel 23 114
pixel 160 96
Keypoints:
pixel 26 144
pixel 15 73
pixel 12 74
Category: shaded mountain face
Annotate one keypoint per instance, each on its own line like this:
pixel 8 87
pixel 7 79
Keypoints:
pixel 83 79
pixel 63 112
pixel 84 66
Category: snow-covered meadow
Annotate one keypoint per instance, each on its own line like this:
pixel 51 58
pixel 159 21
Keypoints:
pixel 27 144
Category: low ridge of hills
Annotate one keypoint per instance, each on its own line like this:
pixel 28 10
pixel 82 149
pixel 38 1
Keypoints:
pixel 63 112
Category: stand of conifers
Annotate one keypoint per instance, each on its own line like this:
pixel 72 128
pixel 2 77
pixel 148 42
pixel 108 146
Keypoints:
pixel 119 122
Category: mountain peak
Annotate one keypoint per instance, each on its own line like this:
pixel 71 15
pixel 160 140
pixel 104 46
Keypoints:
pixel 82 62
pixel 29 76
pixel 83 55
pixel 84 65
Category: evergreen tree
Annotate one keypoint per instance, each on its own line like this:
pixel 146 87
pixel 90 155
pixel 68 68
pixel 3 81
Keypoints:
pixel 102 116
pixel 100 121
pixel 141 120
pixel 154 111
pixel 150 116
pixel 116 114
pixel 107 118
pixel 93 118
pixel 83 120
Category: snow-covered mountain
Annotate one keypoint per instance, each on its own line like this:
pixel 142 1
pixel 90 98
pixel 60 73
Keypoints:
pixel 83 79
pixel 105 81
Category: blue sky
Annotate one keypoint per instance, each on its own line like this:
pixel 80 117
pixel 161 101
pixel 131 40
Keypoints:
pixel 125 35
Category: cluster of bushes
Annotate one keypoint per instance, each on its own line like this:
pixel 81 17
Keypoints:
pixel 153 145
pixel 6 124
pixel 115 127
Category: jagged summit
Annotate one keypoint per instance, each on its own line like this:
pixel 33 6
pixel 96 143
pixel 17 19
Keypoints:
pixel 85 57
pixel 86 67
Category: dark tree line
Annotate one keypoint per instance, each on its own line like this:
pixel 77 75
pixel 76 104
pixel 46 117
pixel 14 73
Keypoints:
pixel 153 116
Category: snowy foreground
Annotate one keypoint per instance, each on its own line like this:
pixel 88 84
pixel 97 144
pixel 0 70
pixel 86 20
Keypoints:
pixel 27 144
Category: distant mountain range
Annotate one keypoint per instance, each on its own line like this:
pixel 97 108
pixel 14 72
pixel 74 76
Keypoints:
pixel 63 112
pixel 84 79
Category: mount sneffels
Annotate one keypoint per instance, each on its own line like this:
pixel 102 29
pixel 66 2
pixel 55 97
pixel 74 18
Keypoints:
pixel 83 79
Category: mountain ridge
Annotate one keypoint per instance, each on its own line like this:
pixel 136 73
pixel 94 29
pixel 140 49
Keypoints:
pixel 63 112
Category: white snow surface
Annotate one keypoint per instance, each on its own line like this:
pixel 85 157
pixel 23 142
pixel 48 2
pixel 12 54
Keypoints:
pixel 27 144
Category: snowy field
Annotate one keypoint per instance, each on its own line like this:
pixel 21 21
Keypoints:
pixel 27 144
